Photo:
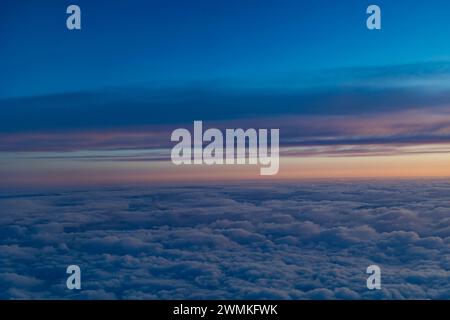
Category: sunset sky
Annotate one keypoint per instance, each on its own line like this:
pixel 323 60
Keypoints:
pixel 97 106
pixel 87 179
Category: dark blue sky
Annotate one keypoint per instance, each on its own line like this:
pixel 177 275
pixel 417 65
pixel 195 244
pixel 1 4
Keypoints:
pixel 139 69
pixel 172 43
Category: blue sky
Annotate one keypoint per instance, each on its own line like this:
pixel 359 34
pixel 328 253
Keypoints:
pixel 138 70
pixel 164 43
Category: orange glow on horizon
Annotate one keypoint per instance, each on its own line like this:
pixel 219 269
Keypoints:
pixel 75 173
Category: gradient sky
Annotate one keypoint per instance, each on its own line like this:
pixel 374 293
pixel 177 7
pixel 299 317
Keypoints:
pixel 98 105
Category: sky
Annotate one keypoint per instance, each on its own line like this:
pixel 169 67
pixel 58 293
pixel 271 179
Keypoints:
pixel 97 105
pixel 86 177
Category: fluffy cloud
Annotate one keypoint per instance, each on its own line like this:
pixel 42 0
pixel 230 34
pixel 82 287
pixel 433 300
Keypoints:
pixel 279 241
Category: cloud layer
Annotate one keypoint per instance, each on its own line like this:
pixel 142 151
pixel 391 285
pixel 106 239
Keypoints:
pixel 376 106
pixel 279 241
